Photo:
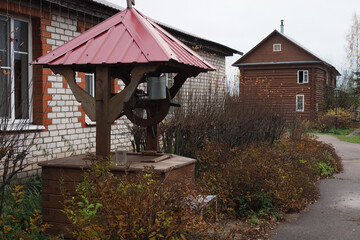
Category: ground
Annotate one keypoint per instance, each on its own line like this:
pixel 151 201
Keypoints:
pixel 337 213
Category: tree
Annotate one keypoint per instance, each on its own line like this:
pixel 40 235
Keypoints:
pixel 353 58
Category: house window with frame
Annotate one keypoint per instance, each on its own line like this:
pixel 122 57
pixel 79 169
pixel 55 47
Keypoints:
pixel 277 47
pixel 15 70
pixel 300 103
pixel 303 76
pixel 90 88
pixel 90 83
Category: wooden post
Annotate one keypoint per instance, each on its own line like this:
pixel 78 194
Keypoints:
pixel 102 95
pixel 152 138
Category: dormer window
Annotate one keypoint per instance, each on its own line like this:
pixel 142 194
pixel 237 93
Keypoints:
pixel 277 47
pixel 303 76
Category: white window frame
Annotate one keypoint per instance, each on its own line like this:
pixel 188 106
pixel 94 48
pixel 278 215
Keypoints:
pixel 303 103
pixel 275 45
pixel 87 119
pixel 12 119
pixel 305 76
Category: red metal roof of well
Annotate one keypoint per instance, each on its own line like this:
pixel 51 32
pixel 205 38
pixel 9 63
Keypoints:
pixel 126 37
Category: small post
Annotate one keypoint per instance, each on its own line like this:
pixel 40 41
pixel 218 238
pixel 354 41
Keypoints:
pixel 152 138
pixel 130 3
pixel 336 92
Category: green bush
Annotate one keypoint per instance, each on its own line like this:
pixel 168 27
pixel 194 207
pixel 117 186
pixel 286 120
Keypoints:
pixel 21 217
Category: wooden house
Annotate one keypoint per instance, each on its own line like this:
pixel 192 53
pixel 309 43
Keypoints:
pixel 281 73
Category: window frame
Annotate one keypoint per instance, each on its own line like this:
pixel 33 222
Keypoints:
pixel 88 121
pixel 297 103
pixel 305 79
pixel 277 45
pixel 11 65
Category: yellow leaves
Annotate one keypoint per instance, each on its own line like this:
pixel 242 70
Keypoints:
pixel 7 229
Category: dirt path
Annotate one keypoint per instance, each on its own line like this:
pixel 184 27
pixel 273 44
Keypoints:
pixel 336 216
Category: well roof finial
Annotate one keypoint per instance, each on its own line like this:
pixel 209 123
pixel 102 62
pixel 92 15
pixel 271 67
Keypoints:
pixel 130 3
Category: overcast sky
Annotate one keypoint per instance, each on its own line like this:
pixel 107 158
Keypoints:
pixel 319 25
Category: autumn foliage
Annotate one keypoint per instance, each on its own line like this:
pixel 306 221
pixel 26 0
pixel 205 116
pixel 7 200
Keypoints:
pixel 326 120
pixel 262 179
pixel 133 207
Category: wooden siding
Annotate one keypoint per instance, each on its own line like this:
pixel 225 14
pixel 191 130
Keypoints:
pixel 289 52
pixel 278 87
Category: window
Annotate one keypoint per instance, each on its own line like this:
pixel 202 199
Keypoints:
pixel 299 103
pixel 277 47
pixel 15 73
pixel 90 88
pixel 90 83
pixel 303 76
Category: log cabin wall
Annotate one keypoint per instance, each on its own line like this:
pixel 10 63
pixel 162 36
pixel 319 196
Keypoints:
pixel 277 87
pixel 269 76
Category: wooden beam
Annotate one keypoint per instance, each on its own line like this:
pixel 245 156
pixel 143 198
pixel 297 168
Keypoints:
pixel 103 127
pixel 116 104
pixel 86 100
pixel 179 80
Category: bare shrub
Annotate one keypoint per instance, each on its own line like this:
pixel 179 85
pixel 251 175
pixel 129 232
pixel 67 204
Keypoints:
pixel 15 144
pixel 230 120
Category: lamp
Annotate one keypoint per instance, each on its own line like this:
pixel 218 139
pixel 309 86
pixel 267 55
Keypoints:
pixel 336 92
pixel 156 87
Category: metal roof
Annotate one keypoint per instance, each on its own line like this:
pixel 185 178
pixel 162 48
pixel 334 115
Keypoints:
pixel 226 50
pixel 109 4
pixel 127 37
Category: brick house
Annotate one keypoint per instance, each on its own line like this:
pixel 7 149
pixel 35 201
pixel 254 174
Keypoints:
pixel 280 72
pixel 31 28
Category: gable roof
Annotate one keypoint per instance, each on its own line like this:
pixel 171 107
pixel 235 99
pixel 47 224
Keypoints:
pixel 276 32
pixel 104 9
pixel 125 38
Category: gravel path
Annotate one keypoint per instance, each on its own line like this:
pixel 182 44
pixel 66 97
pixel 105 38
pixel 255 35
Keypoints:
pixel 336 216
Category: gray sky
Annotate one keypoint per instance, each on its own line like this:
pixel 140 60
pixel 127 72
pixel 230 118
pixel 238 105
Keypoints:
pixel 319 25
